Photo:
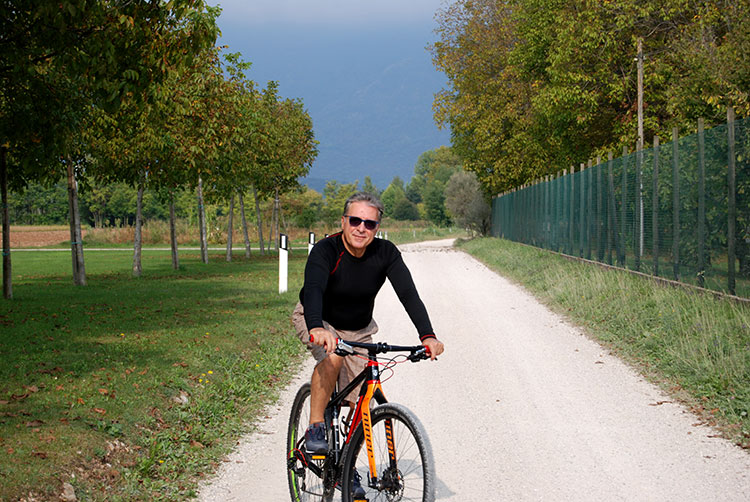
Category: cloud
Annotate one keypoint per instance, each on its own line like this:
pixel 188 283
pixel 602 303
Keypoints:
pixel 328 12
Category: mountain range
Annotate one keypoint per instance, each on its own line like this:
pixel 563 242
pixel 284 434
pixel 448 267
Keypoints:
pixel 368 91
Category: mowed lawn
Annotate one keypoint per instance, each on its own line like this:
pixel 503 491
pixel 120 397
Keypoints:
pixel 131 388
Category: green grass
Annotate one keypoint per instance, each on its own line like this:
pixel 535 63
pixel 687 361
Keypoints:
pixel 136 386
pixel 695 345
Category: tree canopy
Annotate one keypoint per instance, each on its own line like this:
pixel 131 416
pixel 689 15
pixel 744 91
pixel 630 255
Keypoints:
pixel 535 86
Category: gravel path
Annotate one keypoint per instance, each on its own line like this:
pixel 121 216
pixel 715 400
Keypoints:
pixel 522 406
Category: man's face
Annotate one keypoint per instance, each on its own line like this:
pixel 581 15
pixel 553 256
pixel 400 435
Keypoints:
pixel 356 239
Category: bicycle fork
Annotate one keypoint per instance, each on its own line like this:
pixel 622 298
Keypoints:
pixel 375 390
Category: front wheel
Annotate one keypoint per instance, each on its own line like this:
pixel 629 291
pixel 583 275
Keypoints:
pixel 403 459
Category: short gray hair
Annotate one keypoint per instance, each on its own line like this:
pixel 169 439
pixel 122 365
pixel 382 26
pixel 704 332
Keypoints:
pixel 367 198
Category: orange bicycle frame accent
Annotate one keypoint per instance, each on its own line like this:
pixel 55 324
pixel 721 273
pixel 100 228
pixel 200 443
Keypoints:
pixel 362 413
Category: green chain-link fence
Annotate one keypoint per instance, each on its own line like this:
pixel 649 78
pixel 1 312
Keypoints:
pixel 679 210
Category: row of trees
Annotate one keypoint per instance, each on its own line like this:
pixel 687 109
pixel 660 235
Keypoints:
pixel 536 86
pixel 440 192
pixel 137 93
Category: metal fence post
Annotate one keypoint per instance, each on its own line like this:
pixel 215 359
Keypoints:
pixel 571 238
pixel 582 206
pixel 731 202
pixel 701 205
pixel 599 220
pixel 675 206
pixel 612 214
pixel 655 208
pixel 622 240
pixel 638 234
pixel 589 204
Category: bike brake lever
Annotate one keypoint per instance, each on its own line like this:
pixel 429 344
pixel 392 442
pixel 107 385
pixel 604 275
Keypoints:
pixel 419 355
pixel 343 349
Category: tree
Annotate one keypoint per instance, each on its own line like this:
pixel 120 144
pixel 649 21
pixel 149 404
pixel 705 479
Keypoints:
pixel 392 194
pixel 465 201
pixel 335 195
pixel 536 86
pixel 61 61
pixel 431 172
pixel 405 210
pixel 370 187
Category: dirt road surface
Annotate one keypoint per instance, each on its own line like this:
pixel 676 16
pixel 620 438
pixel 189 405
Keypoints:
pixel 522 407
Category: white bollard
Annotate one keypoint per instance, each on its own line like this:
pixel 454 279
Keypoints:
pixel 310 242
pixel 283 263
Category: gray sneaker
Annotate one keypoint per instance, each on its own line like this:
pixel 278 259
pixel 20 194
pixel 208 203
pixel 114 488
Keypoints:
pixel 315 439
pixel 358 493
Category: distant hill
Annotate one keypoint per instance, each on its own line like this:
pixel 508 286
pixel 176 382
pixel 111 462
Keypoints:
pixel 369 94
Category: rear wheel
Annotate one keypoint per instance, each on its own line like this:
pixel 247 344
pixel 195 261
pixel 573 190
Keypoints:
pixel 304 476
pixel 404 473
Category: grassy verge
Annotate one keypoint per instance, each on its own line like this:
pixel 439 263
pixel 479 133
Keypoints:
pixel 129 389
pixel 695 345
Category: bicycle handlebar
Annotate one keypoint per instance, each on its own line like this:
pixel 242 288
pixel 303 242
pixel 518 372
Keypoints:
pixel 417 352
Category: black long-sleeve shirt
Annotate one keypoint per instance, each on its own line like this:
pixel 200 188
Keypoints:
pixel 341 289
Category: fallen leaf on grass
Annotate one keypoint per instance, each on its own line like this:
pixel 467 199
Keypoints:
pixel 39 454
pixel 196 444
pixel 34 423
pixel 101 411
pixel 31 388
pixel 56 369
pixel 181 364
pixel 4 402
pixel 103 392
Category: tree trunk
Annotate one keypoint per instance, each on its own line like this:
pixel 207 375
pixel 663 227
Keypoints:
pixel 244 226
pixel 138 239
pixel 173 233
pixel 76 240
pixel 260 221
pixel 283 225
pixel 276 211
pixel 7 277
pixel 202 222
pixel 230 228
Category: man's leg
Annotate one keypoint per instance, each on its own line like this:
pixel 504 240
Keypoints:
pixel 322 384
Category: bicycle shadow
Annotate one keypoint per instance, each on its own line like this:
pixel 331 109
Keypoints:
pixel 443 491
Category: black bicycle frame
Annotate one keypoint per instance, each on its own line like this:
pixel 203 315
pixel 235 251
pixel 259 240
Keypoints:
pixel 369 374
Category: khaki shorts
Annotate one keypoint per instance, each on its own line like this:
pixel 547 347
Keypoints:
pixel 352 365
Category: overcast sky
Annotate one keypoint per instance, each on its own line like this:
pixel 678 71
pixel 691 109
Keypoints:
pixel 360 67
pixel 335 12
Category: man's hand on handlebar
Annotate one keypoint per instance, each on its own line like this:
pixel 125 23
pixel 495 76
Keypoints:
pixel 324 338
pixel 434 347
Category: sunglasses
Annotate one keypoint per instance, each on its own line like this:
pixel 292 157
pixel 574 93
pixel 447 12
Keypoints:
pixel 355 221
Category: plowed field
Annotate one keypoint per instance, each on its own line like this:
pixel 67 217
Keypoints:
pixel 33 236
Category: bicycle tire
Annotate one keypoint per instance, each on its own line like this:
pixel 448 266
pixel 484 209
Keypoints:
pixel 308 487
pixel 414 477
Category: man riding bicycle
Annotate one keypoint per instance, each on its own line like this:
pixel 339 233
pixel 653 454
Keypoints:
pixel 343 275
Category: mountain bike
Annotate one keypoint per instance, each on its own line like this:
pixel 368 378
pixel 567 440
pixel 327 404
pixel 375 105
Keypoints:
pixel 383 448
